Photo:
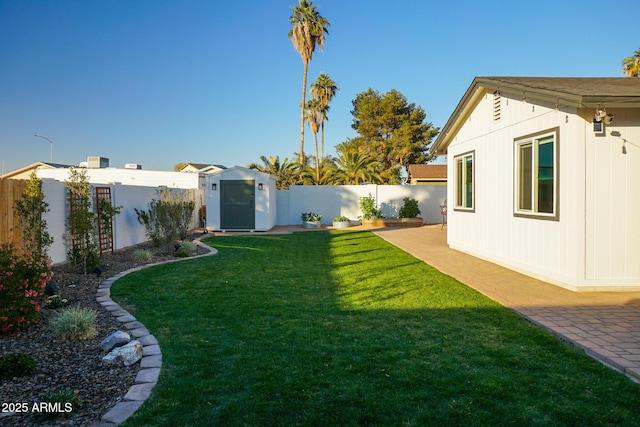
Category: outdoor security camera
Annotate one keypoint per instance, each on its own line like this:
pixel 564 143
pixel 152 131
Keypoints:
pixel 608 119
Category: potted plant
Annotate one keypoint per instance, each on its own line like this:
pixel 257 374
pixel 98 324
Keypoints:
pixel 310 220
pixel 409 208
pixel 341 222
pixel 368 208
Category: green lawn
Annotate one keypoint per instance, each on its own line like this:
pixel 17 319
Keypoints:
pixel 344 329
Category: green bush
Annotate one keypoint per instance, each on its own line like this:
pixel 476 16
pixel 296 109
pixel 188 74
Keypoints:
pixel 74 324
pixel 340 219
pixel 169 216
pixel 409 209
pixel 181 253
pixel 30 209
pixel 142 255
pixel 22 281
pixel 369 209
pixel 16 365
pixel 188 246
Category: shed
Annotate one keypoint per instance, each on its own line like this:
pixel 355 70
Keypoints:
pixel 239 198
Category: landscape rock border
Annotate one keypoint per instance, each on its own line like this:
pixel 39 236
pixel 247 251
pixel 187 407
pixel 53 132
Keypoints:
pixel 151 361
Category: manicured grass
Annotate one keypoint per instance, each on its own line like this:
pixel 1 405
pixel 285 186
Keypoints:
pixel 344 329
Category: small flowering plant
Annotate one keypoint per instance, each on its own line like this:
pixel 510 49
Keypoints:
pixel 22 281
pixel 55 301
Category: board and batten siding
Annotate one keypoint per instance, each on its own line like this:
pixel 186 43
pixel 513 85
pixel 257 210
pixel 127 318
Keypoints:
pixel 553 250
pixel 613 202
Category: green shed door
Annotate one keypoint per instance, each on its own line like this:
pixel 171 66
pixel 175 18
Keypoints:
pixel 237 205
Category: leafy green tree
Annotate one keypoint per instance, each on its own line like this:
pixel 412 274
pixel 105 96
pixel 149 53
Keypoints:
pixel 631 65
pixel 323 89
pixel 391 130
pixel 308 29
pixel 285 171
pixel 30 208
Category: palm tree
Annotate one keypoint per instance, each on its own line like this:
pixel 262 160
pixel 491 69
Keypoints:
pixel 324 89
pixel 308 29
pixel 358 167
pixel 284 172
pixel 631 65
pixel 313 114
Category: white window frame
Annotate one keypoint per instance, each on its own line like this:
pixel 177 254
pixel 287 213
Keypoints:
pixel 461 179
pixel 520 177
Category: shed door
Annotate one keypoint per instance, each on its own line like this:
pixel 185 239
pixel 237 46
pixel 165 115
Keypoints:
pixel 237 204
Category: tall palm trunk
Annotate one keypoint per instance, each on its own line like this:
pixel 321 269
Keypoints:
pixel 304 93
pixel 322 150
pixel 318 163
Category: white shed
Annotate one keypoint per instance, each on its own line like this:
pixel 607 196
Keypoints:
pixel 240 199
pixel 544 175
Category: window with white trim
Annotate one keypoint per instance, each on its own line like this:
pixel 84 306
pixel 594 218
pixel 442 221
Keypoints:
pixel 464 185
pixel 536 175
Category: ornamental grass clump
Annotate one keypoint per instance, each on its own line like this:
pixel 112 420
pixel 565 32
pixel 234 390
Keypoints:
pixel 22 281
pixel 142 255
pixel 74 324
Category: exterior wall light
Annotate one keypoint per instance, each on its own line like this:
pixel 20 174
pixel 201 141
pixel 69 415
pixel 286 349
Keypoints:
pixel 213 187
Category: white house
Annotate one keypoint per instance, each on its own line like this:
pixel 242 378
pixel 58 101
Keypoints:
pixel 544 177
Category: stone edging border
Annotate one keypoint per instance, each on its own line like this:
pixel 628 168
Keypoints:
pixel 151 361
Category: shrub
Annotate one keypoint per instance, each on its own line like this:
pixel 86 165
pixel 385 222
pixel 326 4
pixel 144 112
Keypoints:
pixel 409 208
pixel 22 281
pixel 142 255
pixel 74 324
pixel 16 365
pixel 181 253
pixel 369 209
pixel 340 219
pixel 30 209
pixel 168 216
pixel 188 246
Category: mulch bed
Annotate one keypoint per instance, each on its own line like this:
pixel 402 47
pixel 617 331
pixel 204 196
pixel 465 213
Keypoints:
pixel 73 365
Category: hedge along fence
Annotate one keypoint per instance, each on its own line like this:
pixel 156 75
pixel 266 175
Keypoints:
pixel 10 191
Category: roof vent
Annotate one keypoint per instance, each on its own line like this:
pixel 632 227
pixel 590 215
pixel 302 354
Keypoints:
pixel 496 106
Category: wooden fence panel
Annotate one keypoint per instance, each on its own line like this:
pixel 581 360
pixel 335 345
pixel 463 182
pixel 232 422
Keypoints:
pixel 10 191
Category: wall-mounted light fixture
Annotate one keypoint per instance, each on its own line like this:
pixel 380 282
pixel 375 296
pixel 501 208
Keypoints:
pixel 260 187
pixel 213 187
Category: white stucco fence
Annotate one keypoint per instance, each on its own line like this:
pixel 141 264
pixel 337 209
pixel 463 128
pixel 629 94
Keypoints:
pixel 336 200
pixel 127 231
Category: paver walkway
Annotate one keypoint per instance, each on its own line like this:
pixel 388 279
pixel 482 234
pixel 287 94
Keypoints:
pixel 605 324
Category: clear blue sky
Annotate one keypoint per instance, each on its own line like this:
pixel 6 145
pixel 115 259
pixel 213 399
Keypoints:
pixel 161 82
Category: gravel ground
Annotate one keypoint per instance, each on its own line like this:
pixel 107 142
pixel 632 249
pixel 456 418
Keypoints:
pixel 72 365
